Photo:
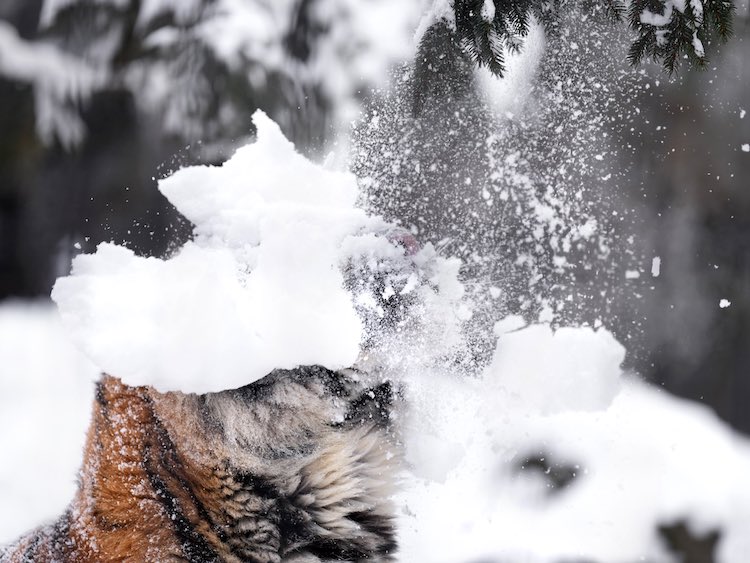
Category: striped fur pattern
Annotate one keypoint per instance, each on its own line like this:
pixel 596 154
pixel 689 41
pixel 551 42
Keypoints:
pixel 295 468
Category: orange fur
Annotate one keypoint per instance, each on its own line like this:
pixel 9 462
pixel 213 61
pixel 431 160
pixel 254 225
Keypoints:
pixel 160 483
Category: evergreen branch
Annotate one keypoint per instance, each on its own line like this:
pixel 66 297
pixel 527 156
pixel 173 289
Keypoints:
pixel 638 49
pixel 614 10
pixel 667 32
pixel 720 15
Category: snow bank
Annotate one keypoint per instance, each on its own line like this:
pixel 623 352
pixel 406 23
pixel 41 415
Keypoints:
pixel 46 389
pixel 260 287
pixel 641 459
pixel 484 454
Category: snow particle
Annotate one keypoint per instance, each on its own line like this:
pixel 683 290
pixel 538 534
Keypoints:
pixel 656 266
pixel 724 303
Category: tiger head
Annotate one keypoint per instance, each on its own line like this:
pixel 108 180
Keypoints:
pixel 298 466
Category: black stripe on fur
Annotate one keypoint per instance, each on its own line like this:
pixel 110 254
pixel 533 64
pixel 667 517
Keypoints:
pixel 194 545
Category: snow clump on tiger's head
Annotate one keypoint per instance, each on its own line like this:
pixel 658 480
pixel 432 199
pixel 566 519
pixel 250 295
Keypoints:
pixel 284 270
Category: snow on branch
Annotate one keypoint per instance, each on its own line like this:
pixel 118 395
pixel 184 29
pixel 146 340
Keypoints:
pixel 60 81
pixel 668 30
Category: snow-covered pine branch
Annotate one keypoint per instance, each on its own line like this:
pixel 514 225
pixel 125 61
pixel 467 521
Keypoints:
pixel 667 30
pixel 670 31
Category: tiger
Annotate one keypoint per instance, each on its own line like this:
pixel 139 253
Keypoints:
pixel 298 467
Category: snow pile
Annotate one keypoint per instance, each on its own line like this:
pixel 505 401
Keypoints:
pixel 46 389
pixel 260 287
pixel 550 455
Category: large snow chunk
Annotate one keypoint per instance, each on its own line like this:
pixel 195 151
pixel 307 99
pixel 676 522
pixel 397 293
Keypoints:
pixel 259 288
pixel 545 371
pixel 483 453
pixel 264 187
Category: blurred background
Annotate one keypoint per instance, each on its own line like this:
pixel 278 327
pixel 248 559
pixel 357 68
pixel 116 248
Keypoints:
pixel 576 189
pixel 98 99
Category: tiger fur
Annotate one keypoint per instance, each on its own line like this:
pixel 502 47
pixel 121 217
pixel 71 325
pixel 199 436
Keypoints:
pixel 294 468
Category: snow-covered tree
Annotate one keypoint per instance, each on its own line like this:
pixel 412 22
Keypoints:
pixel 203 66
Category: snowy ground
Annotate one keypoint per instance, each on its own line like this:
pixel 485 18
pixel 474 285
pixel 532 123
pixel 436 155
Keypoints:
pixel 45 392
pixel 644 459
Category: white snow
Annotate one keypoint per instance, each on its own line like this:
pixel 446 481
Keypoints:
pixel 746 147
pixel 488 10
pixel 698 46
pixel 658 20
pixel 724 303
pixel 263 285
pixel 46 387
pixel 643 459
pixel 538 370
pixel 661 21
pixel 439 10
pixel 640 456
pixel 508 324
pixel 259 288
pixel 60 81
pixel 509 94
pixel 697 7
pixel 656 266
